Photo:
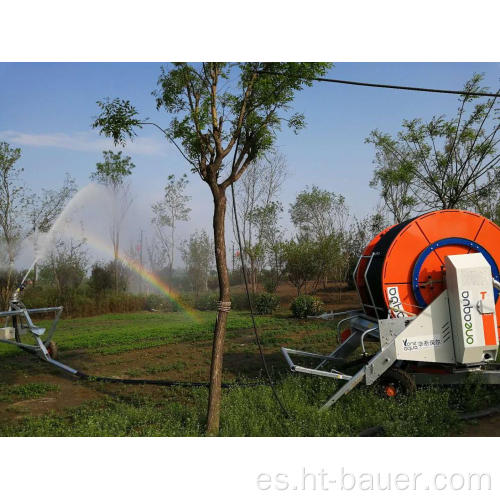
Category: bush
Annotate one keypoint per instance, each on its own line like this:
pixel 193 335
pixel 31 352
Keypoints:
pixel 206 302
pixel 153 302
pixel 239 301
pixel 306 305
pixel 269 280
pixel 266 303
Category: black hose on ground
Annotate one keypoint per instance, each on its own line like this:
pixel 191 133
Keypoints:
pixel 480 413
pixel 164 383
pixel 379 430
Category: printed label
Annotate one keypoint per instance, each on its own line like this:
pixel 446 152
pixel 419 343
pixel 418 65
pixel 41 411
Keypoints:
pixel 395 305
pixel 467 317
pixel 415 344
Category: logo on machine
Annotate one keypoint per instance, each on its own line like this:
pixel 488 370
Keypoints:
pixel 395 304
pixel 467 317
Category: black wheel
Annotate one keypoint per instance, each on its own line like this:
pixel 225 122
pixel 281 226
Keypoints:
pixel 52 348
pixel 396 382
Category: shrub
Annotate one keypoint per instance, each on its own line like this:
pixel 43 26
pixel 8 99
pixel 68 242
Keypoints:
pixel 153 302
pixel 266 303
pixel 239 301
pixel 206 302
pixel 306 305
pixel 269 280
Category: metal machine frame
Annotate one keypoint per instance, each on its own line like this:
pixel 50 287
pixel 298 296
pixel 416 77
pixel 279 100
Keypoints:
pixel 23 325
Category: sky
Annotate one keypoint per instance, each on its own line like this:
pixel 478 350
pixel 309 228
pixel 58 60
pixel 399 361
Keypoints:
pixel 46 109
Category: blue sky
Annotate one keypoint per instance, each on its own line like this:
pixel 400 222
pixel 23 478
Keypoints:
pixel 46 109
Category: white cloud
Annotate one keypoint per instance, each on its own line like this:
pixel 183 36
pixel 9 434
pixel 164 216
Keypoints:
pixel 85 141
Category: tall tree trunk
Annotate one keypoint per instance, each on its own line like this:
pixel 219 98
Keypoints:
pixel 214 398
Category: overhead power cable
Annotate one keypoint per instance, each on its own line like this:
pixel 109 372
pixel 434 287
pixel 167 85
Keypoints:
pixel 387 86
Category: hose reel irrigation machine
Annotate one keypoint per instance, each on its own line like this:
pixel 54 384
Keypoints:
pixel 429 289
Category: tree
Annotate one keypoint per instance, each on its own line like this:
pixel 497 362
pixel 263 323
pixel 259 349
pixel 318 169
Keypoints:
pixel 218 108
pixel 321 216
pixel 198 255
pixel 394 179
pixel 361 232
pixel 157 255
pixel 265 220
pixel 43 210
pixel 101 279
pixel 318 213
pixel 66 267
pixel 301 265
pixel 486 200
pixel 112 173
pixel 12 204
pixel 445 163
pixel 257 190
pixel 169 211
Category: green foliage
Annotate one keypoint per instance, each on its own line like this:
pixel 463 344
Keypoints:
pixel 173 207
pixel 361 232
pixel 317 213
pixel 249 411
pixel 239 301
pixel 206 302
pixel 12 206
pixel 198 255
pixel 394 179
pixel 306 305
pixel 442 163
pixel 207 121
pixel 64 271
pixel 117 332
pixel 43 209
pixel 266 303
pixel 155 303
pixel 31 390
pixel 113 170
pixel 168 212
pixel 101 279
pixel 117 120
pixel 270 280
pixel 300 261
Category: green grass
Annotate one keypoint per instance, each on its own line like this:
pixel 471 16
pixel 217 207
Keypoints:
pixel 25 391
pixel 246 411
pixel 250 411
pixel 116 333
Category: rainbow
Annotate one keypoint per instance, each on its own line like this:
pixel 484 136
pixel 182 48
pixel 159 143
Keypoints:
pixel 135 266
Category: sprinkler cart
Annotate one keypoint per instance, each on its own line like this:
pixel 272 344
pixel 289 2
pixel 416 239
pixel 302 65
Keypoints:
pixel 429 289
pixel 19 317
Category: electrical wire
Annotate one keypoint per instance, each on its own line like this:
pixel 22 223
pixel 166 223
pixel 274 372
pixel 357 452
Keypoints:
pixel 387 86
pixel 252 314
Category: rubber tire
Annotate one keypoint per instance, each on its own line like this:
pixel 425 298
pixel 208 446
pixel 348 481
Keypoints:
pixel 52 348
pixel 402 381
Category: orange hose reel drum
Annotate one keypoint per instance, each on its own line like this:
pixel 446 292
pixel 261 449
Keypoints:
pixel 407 270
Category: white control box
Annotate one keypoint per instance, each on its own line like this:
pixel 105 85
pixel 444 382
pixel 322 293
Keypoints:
pixel 472 308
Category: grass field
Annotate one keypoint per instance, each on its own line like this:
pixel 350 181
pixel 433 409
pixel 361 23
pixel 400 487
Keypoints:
pixel 38 400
